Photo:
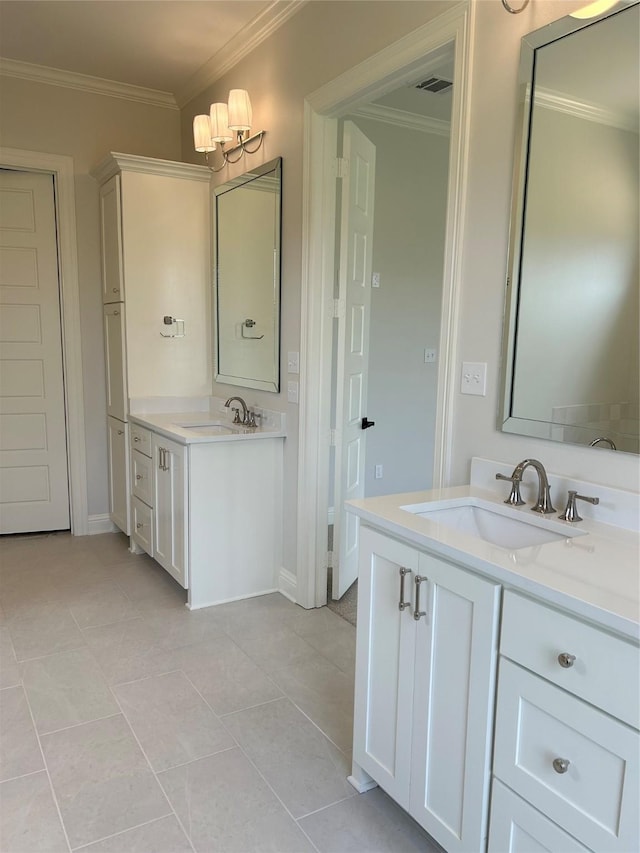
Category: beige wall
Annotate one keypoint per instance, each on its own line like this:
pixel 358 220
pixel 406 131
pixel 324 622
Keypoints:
pixel 85 126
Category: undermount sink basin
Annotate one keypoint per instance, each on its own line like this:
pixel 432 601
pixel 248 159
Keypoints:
pixel 494 523
pixel 211 428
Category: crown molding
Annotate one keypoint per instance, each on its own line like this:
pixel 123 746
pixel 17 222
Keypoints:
pixel 115 162
pixel 85 83
pixel 402 118
pixel 256 31
pixel 583 109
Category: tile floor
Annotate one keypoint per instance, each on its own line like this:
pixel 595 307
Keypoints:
pixel 128 723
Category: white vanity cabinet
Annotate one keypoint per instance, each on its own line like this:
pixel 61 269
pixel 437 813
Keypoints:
pixel 566 743
pixel 155 246
pixel 424 686
pixel 170 508
pixel 118 472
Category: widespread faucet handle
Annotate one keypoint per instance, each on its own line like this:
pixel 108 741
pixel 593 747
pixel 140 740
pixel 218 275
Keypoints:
pixel 515 498
pixel 570 511
pixel 236 417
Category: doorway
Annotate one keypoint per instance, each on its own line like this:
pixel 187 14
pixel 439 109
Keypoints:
pixel 408 59
pixel 409 129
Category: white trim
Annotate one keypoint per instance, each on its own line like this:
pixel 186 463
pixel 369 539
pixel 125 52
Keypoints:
pixel 585 110
pixel 86 83
pixel 101 524
pixel 288 585
pixel 398 63
pixel 61 168
pixel 115 162
pixel 402 118
pixel 256 31
pixel 331 515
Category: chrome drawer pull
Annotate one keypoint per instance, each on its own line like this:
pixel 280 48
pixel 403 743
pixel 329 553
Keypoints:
pixel 403 604
pixel 138 476
pixel 136 438
pixel 417 613
pixel 566 660
pixel 561 765
pixel 139 525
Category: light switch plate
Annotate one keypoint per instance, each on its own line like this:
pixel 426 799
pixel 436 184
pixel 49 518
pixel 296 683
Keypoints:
pixel 293 362
pixel 474 378
pixel 429 355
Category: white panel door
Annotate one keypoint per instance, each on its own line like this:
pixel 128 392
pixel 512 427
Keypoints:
pixel 119 473
pixel 116 361
pixel 170 508
pixel 111 239
pixel 34 488
pixel 356 250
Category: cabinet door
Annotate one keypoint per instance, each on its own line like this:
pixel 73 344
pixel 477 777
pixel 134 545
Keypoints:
pixel 516 827
pixel 118 474
pixel 111 238
pixel 384 665
pixel 115 361
pixel 455 670
pixel 170 507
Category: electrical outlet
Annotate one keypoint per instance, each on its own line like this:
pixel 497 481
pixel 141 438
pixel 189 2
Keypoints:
pixel 429 356
pixel 474 378
pixel 375 279
pixel 378 472
pixel 292 392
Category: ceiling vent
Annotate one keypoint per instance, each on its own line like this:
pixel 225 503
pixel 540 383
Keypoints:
pixel 434 85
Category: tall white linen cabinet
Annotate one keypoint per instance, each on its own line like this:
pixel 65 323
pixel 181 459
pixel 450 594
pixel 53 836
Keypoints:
pixel 155 244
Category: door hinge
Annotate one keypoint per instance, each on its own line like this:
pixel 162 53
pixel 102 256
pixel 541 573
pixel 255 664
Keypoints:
pixel 342 167
pixel 329 559
pixel 333 437
pixel 338 308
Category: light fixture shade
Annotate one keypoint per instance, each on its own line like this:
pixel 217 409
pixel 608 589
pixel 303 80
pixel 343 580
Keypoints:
pixel 220 123
pixel 202 134
pixel 593 9
pixel 239 110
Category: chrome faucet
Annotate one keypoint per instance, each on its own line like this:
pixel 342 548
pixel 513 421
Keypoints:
pixel 602 439
pixel 543 503
pixel 245 411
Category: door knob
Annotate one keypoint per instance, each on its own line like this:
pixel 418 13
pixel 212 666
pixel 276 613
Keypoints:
pixel 367 423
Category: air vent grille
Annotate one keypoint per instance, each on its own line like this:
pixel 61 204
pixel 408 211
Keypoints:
pixel 434 85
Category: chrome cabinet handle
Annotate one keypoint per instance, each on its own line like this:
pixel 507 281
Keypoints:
pixel 138 476
pixel 136 438
pixel 566 660
pixel 402 604
pixel 116 289
pixel 139 525
pixel 116 313
pixel 561 765
pixel 417 613
pixel 161 458
pixel 120 431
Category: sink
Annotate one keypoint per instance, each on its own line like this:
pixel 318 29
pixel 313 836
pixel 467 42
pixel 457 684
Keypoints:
pixel 500 525
pixel 211 428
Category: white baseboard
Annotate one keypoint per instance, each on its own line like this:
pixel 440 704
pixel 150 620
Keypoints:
pixel 331 514
pixel 288 585
pixel 100 524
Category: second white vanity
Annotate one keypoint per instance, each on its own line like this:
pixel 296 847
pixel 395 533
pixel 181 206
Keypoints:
pixel 206 500
pixel 497 679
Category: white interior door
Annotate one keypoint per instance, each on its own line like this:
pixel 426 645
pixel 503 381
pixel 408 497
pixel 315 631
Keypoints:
pixel 34 488
pixel 356 249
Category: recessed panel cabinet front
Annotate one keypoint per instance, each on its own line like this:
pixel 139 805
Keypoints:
pixel 170 507
pixel 117 394
pixel 118 474
pixel 425 676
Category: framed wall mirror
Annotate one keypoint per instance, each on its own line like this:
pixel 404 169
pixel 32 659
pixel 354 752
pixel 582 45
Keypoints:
pixel 570 346
pixel 247 235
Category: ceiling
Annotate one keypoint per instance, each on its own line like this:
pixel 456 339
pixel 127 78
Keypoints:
pixel 174 46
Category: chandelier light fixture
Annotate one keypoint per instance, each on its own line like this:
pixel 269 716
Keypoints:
pixel 227 123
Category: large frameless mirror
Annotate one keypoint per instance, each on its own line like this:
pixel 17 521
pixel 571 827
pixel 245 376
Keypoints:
pixel 570 356
pixel 247 226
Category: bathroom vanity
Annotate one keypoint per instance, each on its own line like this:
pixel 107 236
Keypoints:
pixel 206 501
pixel 498 668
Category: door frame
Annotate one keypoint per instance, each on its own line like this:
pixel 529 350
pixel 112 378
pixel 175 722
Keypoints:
pixel 61 169
pixel 401 62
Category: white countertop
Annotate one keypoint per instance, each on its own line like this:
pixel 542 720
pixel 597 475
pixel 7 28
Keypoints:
pixel 173 425
pixel 596 576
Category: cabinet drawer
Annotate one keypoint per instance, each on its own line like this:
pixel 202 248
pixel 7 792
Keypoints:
pixel 516 827
pixel 142 525
pixel 606 669
pixel 595 797
pixel 141 439
pixel 142 477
